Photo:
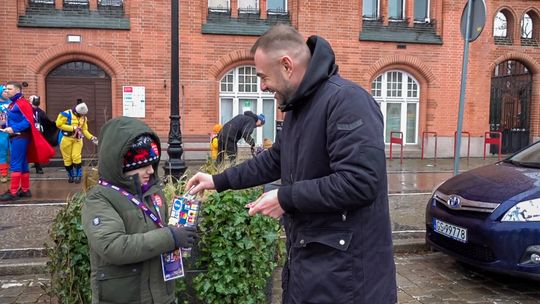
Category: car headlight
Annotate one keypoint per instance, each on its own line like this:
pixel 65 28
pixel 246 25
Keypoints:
pixel 526 211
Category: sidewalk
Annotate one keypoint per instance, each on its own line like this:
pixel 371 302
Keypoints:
pixel 21 249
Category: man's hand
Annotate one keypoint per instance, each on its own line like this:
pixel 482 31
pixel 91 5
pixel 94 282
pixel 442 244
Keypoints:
pixel 200 182
pixel 267 204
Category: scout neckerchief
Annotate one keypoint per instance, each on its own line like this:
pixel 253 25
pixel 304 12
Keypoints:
pixel 136 202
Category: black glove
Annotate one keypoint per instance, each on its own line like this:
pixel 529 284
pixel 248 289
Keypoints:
pixel 184 237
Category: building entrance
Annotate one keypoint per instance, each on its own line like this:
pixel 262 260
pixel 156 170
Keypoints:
pixel 510 104
pixel 80 80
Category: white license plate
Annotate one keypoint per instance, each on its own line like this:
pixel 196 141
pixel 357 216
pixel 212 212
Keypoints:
pixel 449 230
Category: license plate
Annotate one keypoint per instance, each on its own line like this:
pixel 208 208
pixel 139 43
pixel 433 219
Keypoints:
pixel 452 231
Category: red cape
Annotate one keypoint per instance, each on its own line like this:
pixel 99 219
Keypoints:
pixel 39 150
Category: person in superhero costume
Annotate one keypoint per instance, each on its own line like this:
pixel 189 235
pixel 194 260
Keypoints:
pixel 27 143
pixel 4 137
pixel 73 125
pixel 44 125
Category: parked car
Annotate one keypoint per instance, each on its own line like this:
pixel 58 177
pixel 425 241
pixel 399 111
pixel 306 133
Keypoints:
pixel 489 217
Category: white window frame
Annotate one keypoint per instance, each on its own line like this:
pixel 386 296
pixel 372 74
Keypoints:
pixel 428 16
pixel 403 100
pixel 219 9
pixel 378 12
pixel 236 96
pixel 403 6
pixel 285 9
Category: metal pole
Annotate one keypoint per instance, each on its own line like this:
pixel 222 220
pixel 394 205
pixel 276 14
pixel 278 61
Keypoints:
pixel 463 87
pixel 175 165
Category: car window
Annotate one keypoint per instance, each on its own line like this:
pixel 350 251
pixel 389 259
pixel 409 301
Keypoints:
pixel 530 155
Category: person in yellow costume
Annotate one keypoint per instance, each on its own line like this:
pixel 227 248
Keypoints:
pixel 214 143
pixel 73 126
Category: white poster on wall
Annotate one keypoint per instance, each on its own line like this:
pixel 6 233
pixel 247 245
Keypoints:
pixel 133 101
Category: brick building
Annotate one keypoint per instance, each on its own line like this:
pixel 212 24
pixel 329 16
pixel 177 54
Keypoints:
pixel 115 55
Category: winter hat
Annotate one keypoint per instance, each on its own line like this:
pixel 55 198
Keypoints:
pixel 143 152
pixel 81 108
pixel 261 118
pixel 34 100
pixel 217 128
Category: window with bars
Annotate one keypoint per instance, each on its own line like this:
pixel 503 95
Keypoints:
pixel 76 3
pixel 113 3
pixel 219 6
pixel 51 2
pixel 248 6
pixel 276 6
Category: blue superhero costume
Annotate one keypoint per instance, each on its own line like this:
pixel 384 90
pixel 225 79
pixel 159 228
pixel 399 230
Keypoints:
pixel 4 137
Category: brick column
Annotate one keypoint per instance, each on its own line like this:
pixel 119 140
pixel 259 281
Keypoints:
pixel 234 8
pixel 436 12
pixel 262 8
pixel 384 12
pixel 59 4
pixel 409 13
pixel 93 5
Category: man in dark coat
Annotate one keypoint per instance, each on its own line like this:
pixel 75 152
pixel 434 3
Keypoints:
pixel 241 126
pixel 331 161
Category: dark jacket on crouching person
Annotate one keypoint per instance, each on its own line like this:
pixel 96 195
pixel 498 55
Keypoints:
pixel 240 126
pixel 331 161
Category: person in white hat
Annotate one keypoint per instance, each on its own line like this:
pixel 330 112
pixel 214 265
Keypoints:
pixel 73 125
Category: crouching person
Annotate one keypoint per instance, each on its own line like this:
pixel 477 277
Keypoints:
pixel 125 218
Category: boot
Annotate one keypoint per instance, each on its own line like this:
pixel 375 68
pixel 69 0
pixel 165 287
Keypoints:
pixel 11 194
pixel 78 173
pixel 25 186
pixel 71 175
pixel 39 170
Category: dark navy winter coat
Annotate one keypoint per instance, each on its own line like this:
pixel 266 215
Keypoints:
pixel 331 162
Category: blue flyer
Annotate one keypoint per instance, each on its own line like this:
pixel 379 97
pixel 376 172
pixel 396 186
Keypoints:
pixel 171 263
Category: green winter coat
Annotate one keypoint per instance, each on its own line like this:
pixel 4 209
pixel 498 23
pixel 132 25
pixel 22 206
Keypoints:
pixel 125 244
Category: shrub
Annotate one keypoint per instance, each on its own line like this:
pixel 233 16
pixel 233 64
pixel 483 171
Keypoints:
pixel 69 261
pixel 237 252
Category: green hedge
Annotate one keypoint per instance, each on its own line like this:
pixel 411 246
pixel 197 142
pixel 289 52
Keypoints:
pixel 237 252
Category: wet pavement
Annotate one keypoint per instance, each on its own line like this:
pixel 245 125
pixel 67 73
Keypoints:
pixel 422 277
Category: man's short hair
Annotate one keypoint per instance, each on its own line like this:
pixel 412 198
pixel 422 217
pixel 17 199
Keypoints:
pixel 279 37
pixel 16 84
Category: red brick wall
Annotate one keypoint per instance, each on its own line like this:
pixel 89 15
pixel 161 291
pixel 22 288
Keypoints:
pixel 140 56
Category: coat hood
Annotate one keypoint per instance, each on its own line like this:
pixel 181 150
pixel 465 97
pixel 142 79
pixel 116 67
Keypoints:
pixel 117 136
pixel 321 67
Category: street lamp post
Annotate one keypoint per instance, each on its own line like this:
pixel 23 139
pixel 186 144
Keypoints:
pixel 175 165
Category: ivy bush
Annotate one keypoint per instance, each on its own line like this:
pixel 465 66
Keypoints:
pixel 69 260
pixel 238 251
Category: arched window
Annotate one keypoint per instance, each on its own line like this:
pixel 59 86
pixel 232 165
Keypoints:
pixel 503 27
pixel 526 26
pixel 500 25
pixel 398 93
pixel 239 92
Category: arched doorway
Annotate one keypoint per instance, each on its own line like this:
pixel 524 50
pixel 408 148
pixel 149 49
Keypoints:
pixel 80 80
pixel 510 104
